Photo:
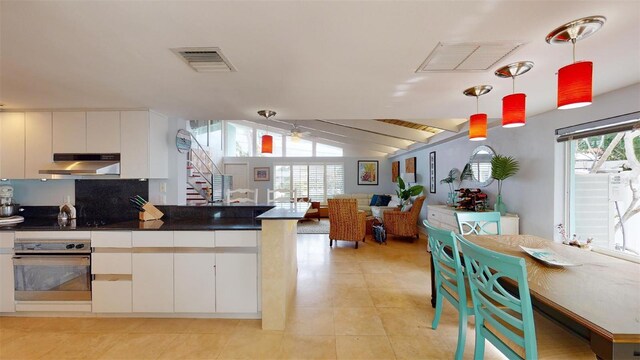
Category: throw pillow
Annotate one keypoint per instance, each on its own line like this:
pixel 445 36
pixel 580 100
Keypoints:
pixel 374 200
pixel 406 208
pixel 393 203
pixel 384 200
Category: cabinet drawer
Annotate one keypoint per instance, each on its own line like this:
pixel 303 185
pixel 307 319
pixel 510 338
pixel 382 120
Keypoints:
pixel 114 239
pixel 66 235
pixel 111 296
pixel 152 238
pixel 111 263
pixel 6 240
pixel 236 238
pixel 193 239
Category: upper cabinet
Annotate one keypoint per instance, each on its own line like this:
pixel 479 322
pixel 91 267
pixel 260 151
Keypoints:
pixel 144 145
pixel 38 147
pixel 69 132
pixel 103 132
pixel 12 133
pixel 29 140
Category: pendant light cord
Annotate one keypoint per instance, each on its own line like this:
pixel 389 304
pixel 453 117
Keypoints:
pixel 477 104
pixel 573 42
pixel 513 87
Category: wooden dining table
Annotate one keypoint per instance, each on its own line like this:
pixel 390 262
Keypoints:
pixel 598 300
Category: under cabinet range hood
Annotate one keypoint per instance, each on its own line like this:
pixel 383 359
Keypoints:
pixel 84 164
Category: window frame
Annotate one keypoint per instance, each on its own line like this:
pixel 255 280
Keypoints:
pixel 308 164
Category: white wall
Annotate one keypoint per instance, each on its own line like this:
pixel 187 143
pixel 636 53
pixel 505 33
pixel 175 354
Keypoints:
pixel 176 183
pixel 350 173
pixel 536 193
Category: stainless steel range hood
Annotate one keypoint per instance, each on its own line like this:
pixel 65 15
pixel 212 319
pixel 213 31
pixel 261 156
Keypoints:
pixel 84 164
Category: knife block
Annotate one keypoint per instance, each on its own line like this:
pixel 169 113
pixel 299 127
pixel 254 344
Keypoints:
pixel 150 213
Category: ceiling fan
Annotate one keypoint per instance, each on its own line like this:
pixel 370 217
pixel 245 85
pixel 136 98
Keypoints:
pixel 297 133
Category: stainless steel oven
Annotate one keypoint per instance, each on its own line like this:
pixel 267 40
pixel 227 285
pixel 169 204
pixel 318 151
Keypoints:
pixel 52 270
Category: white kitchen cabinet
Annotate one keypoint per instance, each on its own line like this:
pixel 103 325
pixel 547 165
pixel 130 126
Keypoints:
pixel 12 133
pixel 111 265
pixel 69 132
pixel 442 216
pixel 152 271
pixel 236 238
pixel 111 296
pixel 194 282
pixel 236 283
pixel 7 297
pixel 103 132
pixel 144 145
pixel 38 144
pixel 152 282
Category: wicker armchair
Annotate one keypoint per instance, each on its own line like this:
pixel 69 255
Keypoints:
pixel 345 221
pixel 400 223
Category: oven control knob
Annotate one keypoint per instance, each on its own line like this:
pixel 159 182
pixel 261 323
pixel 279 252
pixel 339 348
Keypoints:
pixel 69 246
pixel 79 246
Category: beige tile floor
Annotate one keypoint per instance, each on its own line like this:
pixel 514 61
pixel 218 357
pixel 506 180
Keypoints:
pixel 370 303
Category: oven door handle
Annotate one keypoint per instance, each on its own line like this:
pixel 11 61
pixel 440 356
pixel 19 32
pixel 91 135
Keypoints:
pixel 51 260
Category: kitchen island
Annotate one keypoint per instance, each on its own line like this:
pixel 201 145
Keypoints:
pixel 236 261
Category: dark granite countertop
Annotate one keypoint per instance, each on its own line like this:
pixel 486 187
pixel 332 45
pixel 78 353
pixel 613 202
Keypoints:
pixel 47 224
pixel 177 218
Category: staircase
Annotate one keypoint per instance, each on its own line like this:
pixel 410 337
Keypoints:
pixel 200 175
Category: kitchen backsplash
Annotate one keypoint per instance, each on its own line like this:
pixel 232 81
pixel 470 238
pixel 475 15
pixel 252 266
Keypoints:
pixel 108 199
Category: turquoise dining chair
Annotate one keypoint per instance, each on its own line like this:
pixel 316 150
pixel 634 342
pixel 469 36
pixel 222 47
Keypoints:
pixel 478 223
pixel 505 320
pixel 449 279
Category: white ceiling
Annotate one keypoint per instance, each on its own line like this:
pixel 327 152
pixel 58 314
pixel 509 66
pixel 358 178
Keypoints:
pixel 306 60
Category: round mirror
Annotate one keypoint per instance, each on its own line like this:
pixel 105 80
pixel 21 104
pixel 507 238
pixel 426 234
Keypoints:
pixel 480 163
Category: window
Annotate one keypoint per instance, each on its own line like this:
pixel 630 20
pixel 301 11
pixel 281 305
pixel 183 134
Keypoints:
pixel 297 147
pixel 300 177
pixel 327 150
pixel 239 140
pixel 282 177
pixel 603 188
pixel 334 179
pixel 315 181
pixel 277 143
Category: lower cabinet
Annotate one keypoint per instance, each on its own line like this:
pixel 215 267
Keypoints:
pixel 236 283
pixel 7 303
pixel 175 272
pixel 194 282
pixel 111 296
pixel 152 282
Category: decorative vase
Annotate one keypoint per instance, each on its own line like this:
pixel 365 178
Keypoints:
pixel 452 197
pixel 500 206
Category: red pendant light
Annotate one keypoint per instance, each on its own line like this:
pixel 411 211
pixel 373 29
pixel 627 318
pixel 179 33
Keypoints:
pixel 478 127
pixel 267 140
pixel 514 110
pixel 267 144
pixel 575 81
pixel 514 105
pixel 478 121
pixel 575 85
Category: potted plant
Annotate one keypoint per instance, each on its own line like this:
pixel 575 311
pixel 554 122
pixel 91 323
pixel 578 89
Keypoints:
pixel 404 192
pixel 502 167
pixel 449 180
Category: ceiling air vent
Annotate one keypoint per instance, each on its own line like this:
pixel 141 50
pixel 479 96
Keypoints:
pixel 466 57
pixel 205 59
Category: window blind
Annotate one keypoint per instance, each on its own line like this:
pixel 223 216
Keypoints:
pixel 300 176
pixel 334 179
pixel 316 182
